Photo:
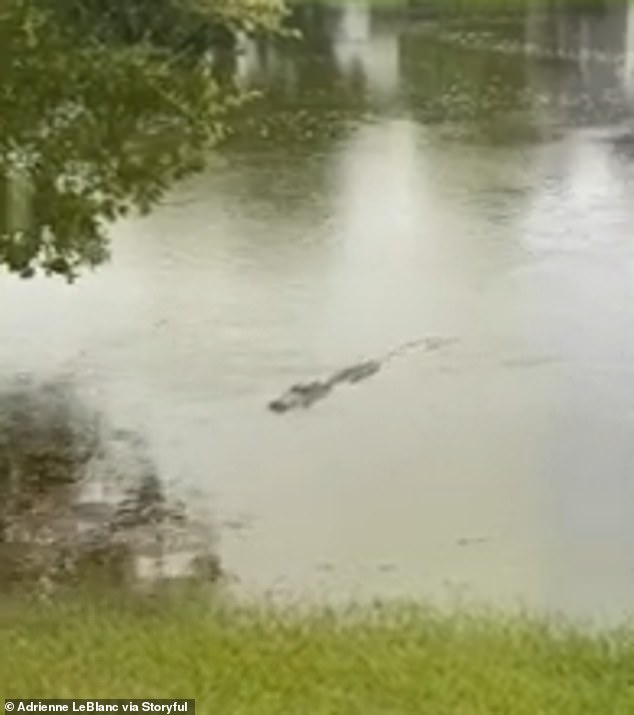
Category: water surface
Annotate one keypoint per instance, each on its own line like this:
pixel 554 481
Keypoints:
pixel 401 177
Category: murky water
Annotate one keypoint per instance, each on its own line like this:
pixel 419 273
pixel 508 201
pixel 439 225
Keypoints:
pixel 472 179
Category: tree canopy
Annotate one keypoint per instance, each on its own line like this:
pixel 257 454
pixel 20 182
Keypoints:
pixel 103 104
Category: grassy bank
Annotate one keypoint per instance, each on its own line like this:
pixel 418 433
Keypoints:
pixel 397 661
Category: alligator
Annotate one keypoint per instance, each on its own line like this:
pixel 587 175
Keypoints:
pixel 306 394
pixel 301 395
pixel 356 373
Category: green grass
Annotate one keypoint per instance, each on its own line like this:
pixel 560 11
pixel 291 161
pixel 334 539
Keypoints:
pixel 394 661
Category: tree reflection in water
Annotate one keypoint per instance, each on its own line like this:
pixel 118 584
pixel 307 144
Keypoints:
pixel 80 502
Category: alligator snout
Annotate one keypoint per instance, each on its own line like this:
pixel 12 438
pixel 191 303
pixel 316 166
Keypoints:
pixel 301 395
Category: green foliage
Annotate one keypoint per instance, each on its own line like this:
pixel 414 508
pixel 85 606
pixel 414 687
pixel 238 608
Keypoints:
pixel 104 127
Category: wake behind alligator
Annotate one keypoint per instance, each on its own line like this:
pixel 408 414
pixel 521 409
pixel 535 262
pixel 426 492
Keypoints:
pixel 303 395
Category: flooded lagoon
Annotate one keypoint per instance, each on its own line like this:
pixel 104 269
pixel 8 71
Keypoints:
pixel 402 176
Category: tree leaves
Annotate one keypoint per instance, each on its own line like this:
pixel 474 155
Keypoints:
pixel 105 127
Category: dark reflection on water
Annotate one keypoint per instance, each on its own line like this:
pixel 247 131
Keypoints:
pixel 82 504
pixel 406 172
pixel 351 52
